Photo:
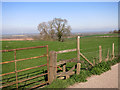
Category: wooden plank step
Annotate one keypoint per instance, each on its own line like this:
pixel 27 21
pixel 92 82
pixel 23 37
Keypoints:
pixel 66 61
pixel 65 73
pixel 70 72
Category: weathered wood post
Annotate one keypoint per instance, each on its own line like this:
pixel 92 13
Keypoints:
pixel 78 55
pixel 94 62
pixel 52 66
pixel 113 56
pixel 64 68
pixel 100 54
pixel 107 56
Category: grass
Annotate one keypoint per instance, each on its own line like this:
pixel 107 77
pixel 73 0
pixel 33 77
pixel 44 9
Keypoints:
pixel 89 47
pixel 84 74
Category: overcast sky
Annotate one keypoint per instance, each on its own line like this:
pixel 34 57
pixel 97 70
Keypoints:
pixel 24 17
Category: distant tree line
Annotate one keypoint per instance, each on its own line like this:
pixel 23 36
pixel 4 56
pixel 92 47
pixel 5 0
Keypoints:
pixel 56 29
pixel 115 31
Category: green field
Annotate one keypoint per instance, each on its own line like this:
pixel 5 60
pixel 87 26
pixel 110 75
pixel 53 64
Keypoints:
pixel 89 46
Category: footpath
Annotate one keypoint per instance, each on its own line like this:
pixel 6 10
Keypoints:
pixel 108 79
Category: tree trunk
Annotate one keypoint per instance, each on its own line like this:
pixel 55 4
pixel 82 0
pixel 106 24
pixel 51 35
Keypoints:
pixel 59 38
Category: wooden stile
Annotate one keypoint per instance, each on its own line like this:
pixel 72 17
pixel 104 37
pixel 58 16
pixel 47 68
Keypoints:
pixel 66 61
pixel 67 76
pixel 70 72
pixel 64 70
pixel 65 73
pixel 59 67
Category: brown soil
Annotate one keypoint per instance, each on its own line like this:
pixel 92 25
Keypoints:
pixel 16 39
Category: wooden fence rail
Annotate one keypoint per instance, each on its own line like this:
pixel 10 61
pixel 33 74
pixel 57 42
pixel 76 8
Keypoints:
pixel 54 64
pixel 65 51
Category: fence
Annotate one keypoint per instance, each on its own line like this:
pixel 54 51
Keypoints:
pixel 17 60
pixel 53 65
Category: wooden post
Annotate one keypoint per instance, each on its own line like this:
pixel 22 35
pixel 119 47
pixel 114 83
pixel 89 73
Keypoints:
pixel 64 68
pixel 78 68
pixel 113 56
pixel 107 56
pixel 52 66
pixel 100 54
pixel 94 62
pixel 78 48
pixel 78 54
pixel 67 76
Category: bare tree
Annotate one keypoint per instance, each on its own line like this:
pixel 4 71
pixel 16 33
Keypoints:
pixel 61 27
pixel 57 28
pixel 52 32
pixel 115 31
pixel 43 28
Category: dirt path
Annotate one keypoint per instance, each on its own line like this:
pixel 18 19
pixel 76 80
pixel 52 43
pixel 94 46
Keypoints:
pixel 108 79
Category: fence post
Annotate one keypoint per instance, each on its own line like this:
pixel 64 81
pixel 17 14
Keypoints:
pixel 52 66
pixel 78 68
pixel 94 62
pixel 100 54
pixel 113 56
pixel 107 56
pixel 78 54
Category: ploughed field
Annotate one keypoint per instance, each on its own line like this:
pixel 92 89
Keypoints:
pixel 89 46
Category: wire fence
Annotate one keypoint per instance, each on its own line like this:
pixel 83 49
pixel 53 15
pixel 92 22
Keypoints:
pixel 92 54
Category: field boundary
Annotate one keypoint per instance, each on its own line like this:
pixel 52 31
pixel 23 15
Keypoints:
pixel 53 65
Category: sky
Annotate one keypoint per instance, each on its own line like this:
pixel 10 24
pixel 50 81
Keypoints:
pixel 24 17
